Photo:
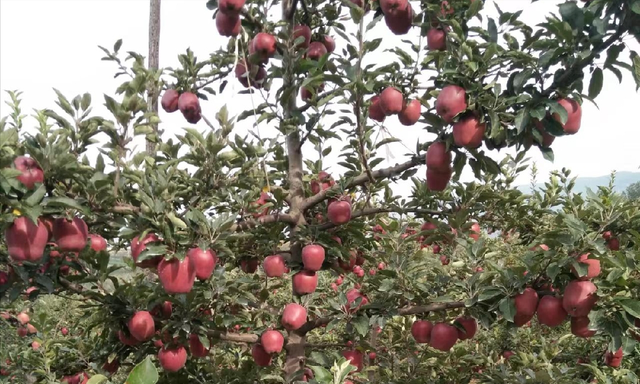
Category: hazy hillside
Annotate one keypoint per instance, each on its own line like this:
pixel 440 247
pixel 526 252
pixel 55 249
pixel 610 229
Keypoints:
pixel 622 181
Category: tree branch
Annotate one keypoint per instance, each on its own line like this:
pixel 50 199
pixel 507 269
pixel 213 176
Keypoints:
pixel 384 173
pixel 376 210
pixel 274 218
pixel 248 338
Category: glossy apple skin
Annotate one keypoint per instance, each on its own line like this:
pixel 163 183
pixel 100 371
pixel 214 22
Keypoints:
pixel 293 316
pixel 26 240
pixel 177 276
pixel 70 235
pixel 313 256
pixel 260 356
pixel 170 100
pixel 443 337
pixel 137 247
pixel 305 282
pixel 438 158
pixel 196 347
pixel 204 262
pixel 339 212
pixel 98 243
pixel 421 331
pixel 172 359
pixel 450 102
pixel 574 112
pixel 31 171
pixel 141 326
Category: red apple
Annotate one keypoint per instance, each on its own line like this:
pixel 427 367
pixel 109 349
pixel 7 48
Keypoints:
pixel 272 341
pixel 353 295
pixel 508 354
pixel 172 359
pixel 313 257
pixel 170 100
pixel 231 7
pixel 355 358
pixel 70 235
pixel 196 347
pixel 593 267
pixel 228 25
pixel 189 105
pixel 574 110
pixel 260 356
pixel 305 282
pixel 126 339
pixel 35 345
pixel 475 231
pixel 204 262
pixel 450 102
pixel 375 111
pixel 339 212
pixel 249 265
pixel 438 180
pixel 64 331
pixel 547 138
pixel 613 360
pixel 274 266
pixel 436 39
pixel 137 247
pixel 469 325
pixel 613 244
pixel 381 266
pixel 302 31
pixel 22 331
pixel 316 51
pixel 393 6
pixel 400 21
pixel 526 304
pixel 26 240
pixel 4 278
pixel 438 157
pixel 410 113
pixel 31 171
pixel 421 331
pixel 293 316
pixel 579 298
pixel 111 366
pixel 264 44
pixel 468 132
pixel 391 101
pixel 329 43
pixel 550 311
pixel 141 326
pixel 580 327
pixel 607 235
pixel 177 276
pixel 443 337
pixel 23 318
pixel 97 242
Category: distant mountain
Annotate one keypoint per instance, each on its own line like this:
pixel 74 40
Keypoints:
pixel 622 181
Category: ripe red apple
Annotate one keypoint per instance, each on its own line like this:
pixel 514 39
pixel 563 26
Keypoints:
pixel 164 310
pixel 316 51
pixel 260 356
pixel 4 278
pixel 613 244
pixel 293 316
pixel 25 240
pixel 410 113
pixel 313 257
pixel 70 235
pixel 35 345
pixel 196 347
pixel 375 111
pixel 550 311
pixel 64 331
pixel 443 337
pixel 450 102
pixel 329 43
pixel 250 76
pixel 170 100
pixel 204 262
pixel 189 105
pixel 475 231
pixel 547 138
pixel 381 266
pixel 264 44
pixel 126 339
pixel 111 367
pixel 393 6
pixel 231 7
pixel 97 242
pixel 400 21
pixel 137 247
pixel 468 132
pixel 302 31
pixel 607 235
pixel 580 327
pixel 305 282
pixel 469 325
pixel 31 171
pixel 78 378
pixel 249 265
pixel 141 326
pixel 421 331
pixel 172 359
pixel 613 360
pixel 339 212
pixel 22 331
pixel 352 295
pixel 228 25
pixel 355 358
pixel 508 354
pixel 177 276
pixel 579 298
pixel 593 267
pixel 436 249
pixel 526 304
pixel 272 341
pixel 436 39
pixel 438 158
pixel 274 266
pixel 391 101
pixel 23 318
pixel 574 110
pixel 438 180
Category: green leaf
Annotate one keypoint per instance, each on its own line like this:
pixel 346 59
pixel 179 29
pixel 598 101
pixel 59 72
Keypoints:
pixel 508 308
pixel 635 59
pixel 36 196
pixel 489 293
pixel 97 379
pixel 493 31
pixel 361 324
pixel 143 373
pixel 631 306
pixel 573 15
pixel 65 202
pixel 595 86
pixel 117 45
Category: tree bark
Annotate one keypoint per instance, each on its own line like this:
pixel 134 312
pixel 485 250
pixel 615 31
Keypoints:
pixel 154 62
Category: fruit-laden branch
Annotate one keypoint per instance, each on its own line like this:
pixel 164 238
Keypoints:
pixel 233 337
pixel 385 173
pixel 375 211
pixel 274 218
pixel 410 310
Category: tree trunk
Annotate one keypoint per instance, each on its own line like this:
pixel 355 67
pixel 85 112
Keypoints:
pixel 154 61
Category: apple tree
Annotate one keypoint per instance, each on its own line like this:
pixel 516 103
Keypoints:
pixel 222 256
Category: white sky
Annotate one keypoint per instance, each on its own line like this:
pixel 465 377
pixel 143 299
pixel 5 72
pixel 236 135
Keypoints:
pixel 53 43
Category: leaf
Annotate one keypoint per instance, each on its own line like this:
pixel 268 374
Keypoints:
pixel 508 308
pixel 65 202
pixel 36 196
pixel 595 86
pixel 631 306
pixel 493 31
pixel 117 45
pixel 573 15
pixel 361 324
pixel 489 293
pixel 97 379
pixel 143 373
pixel 635 59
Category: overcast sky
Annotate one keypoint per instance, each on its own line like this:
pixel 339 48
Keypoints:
pixel 53 43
